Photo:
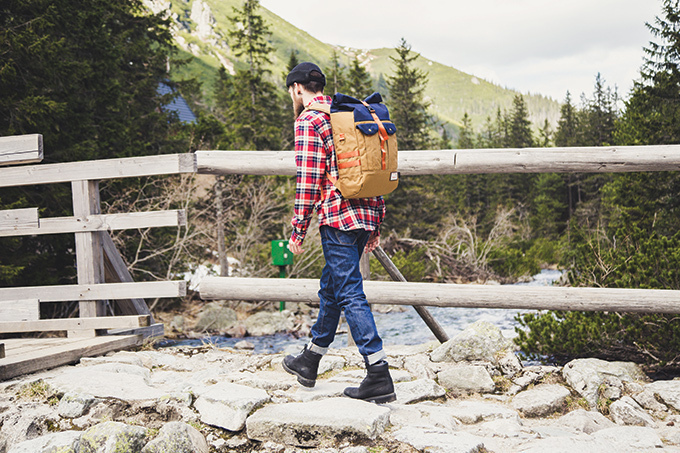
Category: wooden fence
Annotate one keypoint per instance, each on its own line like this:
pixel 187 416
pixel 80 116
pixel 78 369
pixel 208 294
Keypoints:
pixel 102 274
pixel 525 160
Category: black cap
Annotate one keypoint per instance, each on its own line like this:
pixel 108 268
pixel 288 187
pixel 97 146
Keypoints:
pixel 302 74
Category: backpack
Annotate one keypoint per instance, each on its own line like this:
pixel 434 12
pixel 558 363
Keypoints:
pixel 365 146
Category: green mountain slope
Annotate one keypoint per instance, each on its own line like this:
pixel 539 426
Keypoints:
pixel 201 29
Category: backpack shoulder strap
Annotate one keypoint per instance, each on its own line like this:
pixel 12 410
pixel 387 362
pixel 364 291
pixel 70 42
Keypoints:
pixel 325 108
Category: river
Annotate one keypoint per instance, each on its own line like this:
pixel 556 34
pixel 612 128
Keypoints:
pixel 396 328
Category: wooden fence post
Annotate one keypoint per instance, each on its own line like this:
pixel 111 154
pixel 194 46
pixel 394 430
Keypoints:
pixel 89 252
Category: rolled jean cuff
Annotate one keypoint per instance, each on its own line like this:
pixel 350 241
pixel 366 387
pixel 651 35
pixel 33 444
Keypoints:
pixel 375 357
pixel 317 349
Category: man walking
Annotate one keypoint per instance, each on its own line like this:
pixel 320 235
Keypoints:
pixel 348 228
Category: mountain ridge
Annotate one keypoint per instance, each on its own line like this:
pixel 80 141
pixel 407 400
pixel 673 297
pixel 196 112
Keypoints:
pixel 200 30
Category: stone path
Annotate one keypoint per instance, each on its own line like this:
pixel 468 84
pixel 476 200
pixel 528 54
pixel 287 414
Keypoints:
pixel 213 400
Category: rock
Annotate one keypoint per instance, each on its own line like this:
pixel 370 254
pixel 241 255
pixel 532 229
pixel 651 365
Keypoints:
pixel 586 376
pixel 418 390
pixel 481 341
pixel 439 440
pixel 330 363
pixel 215 317
pixel 627 412
pixel 646 399
pixel 466 378
pixel 268 323
pixel 420 366
pixel 112 437
pixel 426 414
pixel 177 437
pixel 25 422
pixel 667 391
pixel 227 405
pixel 244 344
pixel 566 444
pixel 74 405
pixel 630 438
pixel 308 424
pixel 127 383
pixel 322 390
pixel 470 412
pixel 541 400
pixel 585 421
pixel 62 442
pixel 509 364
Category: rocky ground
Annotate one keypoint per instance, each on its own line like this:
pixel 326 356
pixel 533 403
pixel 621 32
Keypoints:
pixel 470 394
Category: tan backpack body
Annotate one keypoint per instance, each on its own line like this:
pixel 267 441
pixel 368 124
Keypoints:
pixel 365 147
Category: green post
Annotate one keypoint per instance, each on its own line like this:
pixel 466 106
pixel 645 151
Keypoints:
pixel 281 256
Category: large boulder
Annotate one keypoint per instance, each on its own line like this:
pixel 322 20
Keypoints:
pixel 268 323
pixel 540 401
pixel 466 379
pixel 215 317
pixel 481 341
pixel 61 442
pixel 590 376
pixel 668 392
pixel 310 424
pixel 628 412
pixel 112 437
pixel 177 437
pixel 227 405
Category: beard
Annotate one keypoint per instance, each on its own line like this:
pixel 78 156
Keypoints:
pixel 298 106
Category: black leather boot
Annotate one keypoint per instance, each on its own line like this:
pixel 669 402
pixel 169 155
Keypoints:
pixel 304 365
pixel 377 386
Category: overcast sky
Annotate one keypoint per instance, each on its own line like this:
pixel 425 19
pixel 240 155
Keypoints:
pixel 538 46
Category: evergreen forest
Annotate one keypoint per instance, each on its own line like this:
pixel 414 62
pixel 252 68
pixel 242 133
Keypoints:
pixel 85 75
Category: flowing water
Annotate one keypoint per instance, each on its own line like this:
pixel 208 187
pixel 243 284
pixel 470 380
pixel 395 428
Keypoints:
pixel 396 328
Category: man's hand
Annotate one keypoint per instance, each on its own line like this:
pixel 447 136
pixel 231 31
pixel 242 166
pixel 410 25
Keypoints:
pixel 373 243
pixel 295 248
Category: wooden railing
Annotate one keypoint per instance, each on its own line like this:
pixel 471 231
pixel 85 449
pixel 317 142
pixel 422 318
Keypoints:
pixel 525 160
pixel 97 260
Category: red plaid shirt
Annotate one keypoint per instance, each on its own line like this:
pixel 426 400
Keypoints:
pixel 314 156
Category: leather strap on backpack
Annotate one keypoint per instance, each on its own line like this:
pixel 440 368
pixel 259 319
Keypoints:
pixel 382 132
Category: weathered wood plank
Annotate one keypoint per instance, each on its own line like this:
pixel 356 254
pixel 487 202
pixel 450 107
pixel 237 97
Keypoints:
pixel 152 331
pixel 89 252
pixel 63 353
pixel 165 164
pixel 103 291
pixel 2 350
pixel 424 314
pixel 18 219
pixel 21 149
pixel 101 222
pixel 19 310
pixel 453 295
pixel 462 161
pixel 52 325
pixel 116 271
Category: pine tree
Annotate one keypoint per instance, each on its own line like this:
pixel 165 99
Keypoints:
pixel 254 108
pixel 359 83
pixel 335 75
pixel 652 114
pixel 545 135
pixel 600 115
pixel 466 136
pixel 519 129
pixel 568 126
pixel 408 107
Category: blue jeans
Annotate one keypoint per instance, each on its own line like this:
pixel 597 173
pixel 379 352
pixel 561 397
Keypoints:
pixel 342 289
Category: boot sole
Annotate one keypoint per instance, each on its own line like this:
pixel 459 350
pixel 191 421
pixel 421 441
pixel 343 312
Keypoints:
pixel 379 399
pixel 302 380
